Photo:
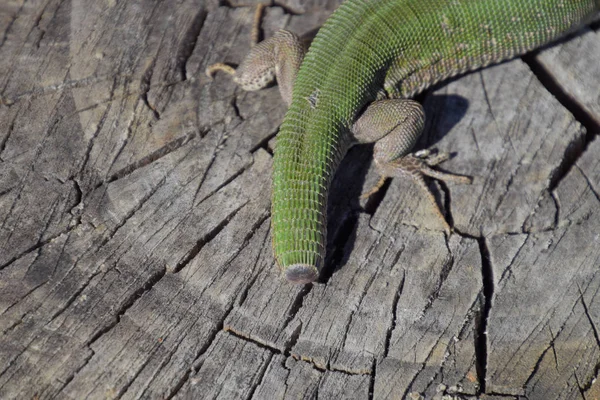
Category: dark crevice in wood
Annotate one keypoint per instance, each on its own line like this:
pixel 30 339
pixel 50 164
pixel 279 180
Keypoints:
pixel 579 386
pixel 188 43
pixel 74 373
pixel 236 109
pixel 128 303
pixel 444 272
pixel 17 302
pixel 132 212
pixel 216 151
pixel 376 198
pixel 131 378
pixel 8 363
pixel 259 377
pixel 75 211
pixel 328 368
pixel 117 154
pixel 264 144
pixel 43 14
pixel 248 339
pixel 351 317
pixel 589 318
pixel 588 385
pixel 295 307
pixel 7 190
pixel 572 153
pixel 220 186
pixel 550 345
pixel 152 157
pixel 12 208
pixel 345 232
pixel 371 394
pixel 205 239
pixel 196 364
pixel 552 340
pixel 245 242
pixel 390 330
pixel 241 299
pixel 538 363
pixel 9 132
pixel 74 296
pixel 10 24
pixel 38 245
pixel 590 185
pixel 481 345
pixel 528 227
pixel 99 126
pixel 145 88
pixel 591 125
pixel 424 364
pixel 180 383
pixel 508 270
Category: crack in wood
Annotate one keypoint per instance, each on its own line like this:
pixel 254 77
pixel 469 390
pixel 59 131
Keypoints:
pixel 128 303
pixel 371 392
pixel 259 377
pixel 592 126
pixel 589 317
pixel 39 245
pixel 481 344
pixel 73 374
pixel 9 131
pixel 230 331
pixel 507 273
pixel 216 151
pixel 197 363
pixel 145 87
pixel 392 327
pixel 550 345
pixel 590 184
pixel 200 243
pixel 11 23
pixel 345 232
pixel 220 186
pixel 425 361
pixel 99 126
pixel 188 44
pixel 444 272
pixel 161 152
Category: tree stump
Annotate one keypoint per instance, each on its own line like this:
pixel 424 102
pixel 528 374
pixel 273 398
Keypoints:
pixel 135 254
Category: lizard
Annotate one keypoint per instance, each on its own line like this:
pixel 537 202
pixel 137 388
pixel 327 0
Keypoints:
pixel 355 84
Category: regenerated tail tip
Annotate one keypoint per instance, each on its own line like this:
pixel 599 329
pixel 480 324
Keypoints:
pixel 301 273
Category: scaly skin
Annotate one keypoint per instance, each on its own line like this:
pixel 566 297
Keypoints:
pixel 402 47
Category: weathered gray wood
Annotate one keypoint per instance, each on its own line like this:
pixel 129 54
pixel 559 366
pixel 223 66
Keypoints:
pixel 573 65
pixel 550 348
pixel 135 255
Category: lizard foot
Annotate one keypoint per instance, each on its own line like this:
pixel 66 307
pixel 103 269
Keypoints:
pixel 417 166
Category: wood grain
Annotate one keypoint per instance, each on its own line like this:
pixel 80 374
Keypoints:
pixel 135 254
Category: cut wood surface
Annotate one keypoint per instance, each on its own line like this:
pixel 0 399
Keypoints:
pixel 135 249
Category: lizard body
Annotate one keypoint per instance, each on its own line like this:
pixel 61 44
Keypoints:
pixel 366 55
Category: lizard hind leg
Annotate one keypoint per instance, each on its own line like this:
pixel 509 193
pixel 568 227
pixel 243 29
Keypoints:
pixel 278 57
pixel 395 126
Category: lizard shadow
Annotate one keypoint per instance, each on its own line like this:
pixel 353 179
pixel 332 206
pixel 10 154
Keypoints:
pixel 344 205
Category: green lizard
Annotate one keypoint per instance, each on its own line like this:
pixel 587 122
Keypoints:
pixel 354 84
